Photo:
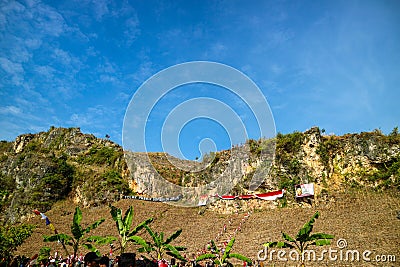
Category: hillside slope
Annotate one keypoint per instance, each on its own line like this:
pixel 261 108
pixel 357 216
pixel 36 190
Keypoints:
pixel 37 170
pixel 366 220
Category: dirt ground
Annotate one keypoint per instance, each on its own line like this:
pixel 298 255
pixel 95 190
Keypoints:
pixel 366 221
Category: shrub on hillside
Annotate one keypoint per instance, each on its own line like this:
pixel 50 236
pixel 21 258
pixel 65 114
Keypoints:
pixel 11 237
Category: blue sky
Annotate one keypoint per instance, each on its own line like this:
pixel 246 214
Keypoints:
pixel 334 64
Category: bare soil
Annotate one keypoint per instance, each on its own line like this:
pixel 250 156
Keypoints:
pixel 366 220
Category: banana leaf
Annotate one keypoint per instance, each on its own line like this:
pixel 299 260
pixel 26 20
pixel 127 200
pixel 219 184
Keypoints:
pixel 173 236
pixel 240 257
pixel 206 256
pixel 307 228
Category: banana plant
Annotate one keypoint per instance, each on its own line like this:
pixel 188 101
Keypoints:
pixel 303 239
pixel 159 246
pixel 77 239
pixel 44 255
pixel 124 227
pixel 220 257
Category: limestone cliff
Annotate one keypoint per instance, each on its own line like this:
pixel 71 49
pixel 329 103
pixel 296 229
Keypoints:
pixel 368 159
pixel 330 162
pixel 36 170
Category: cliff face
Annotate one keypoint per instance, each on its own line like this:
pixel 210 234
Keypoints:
pixel 160 175
pixel 366 159
pixel 36 170
pixel 330 162
pixel 334 162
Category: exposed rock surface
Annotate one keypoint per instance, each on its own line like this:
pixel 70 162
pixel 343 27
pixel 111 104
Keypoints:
pixel 37 170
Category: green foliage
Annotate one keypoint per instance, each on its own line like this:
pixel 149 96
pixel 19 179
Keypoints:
pixel 7 187
pixel 287 148
pixel 256 147
pixel 58 139
pixel 283 203
pixel 54 185
pixel 105 188
pixel 5 146
pixel 304 238
pixel 394 137
pixel 289 143
pixel 394 132
pixel 160 246
pixel 44 255
pixel 3 158
pixel 326 149
pixel 124 226
pixel 220 257
pixel 388 175
pixel 288 182
pixel 293 166
pixel 101 155
pixel 113 179
pixel 77 240
pixel 11 237
pixel 32 146
pixel 20 159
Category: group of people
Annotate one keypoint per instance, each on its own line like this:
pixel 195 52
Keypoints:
pixel 91 259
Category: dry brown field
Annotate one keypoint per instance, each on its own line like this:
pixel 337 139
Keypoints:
pixel 366 220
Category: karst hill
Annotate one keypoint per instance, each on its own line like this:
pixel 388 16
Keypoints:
pixel 37 170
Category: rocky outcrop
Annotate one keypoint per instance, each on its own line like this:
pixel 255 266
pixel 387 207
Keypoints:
pixel 37 170
pixel 335 162
pixel 330 162
pixel 40 169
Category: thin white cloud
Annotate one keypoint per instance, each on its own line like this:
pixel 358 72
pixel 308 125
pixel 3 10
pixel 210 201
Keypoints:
pixel 100 8
pixel 132 30
pixel 218 48
pixel 145 70
pixel 278 37
pixel 26 34
pixel 108 67
pixel 13 69
pixel 33 43
pixel 19 114
pixel 66 58
pixel 49 21
pixel 10 67
pixel 123 97
pixel 92 52
pixel 10 110
pixel 96 117
pixel 107 78
pixel 79 119
pixel 45 71
pixel 12 6
pixel 276 69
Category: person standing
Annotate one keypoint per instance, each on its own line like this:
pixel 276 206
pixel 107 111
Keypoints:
pixel 104 262
pixel 91 260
